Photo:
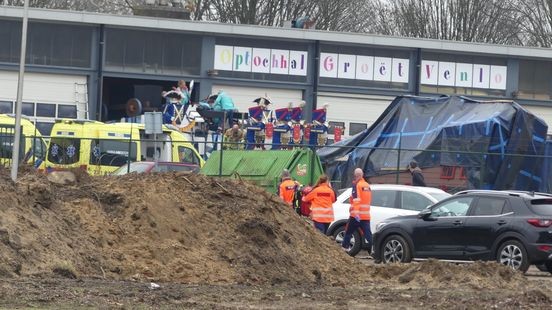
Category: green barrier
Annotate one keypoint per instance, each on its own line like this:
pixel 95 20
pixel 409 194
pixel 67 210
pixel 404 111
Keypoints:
pixel 264 168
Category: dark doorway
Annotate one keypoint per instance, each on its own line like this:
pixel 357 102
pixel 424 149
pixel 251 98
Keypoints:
pixel 117 91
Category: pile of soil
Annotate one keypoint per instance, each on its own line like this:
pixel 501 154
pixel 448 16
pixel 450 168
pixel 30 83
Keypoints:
pixel 187 229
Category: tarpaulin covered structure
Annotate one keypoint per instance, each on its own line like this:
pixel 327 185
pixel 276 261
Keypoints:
pixel 499 144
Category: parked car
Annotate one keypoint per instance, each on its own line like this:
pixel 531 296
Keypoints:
pixel 513 228
pixel 149 166
pixel 388 200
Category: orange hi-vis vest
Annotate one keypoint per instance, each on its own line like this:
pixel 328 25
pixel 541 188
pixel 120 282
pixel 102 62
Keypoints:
pixel 322 198
pixel 287 190
pixel 361 200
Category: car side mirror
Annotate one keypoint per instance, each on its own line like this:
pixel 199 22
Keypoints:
pixel 425 214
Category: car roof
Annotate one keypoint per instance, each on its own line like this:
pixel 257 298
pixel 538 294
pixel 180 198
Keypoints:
pixel 407 187
pixel 515 193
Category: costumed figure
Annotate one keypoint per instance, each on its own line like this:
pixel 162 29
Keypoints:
pixel 282 128
pixel 297 124
pixel 172 112
pixel 259 117
pixel 319 127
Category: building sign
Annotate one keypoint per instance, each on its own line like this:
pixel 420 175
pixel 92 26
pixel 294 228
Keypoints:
pixel 260 60
pixel 463 75
pixel 343 66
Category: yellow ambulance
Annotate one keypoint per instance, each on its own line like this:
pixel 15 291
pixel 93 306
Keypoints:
pixel 32 148
pixel 101 148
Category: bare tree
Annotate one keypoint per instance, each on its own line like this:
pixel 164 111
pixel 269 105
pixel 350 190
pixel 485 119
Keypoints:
pixel 489 21
pixel 536 21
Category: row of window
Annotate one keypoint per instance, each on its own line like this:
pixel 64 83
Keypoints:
pixel 47 44
pixel 353 129
pixel 41 109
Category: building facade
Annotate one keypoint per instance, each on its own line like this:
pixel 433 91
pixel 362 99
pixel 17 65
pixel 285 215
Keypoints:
pixel 87 65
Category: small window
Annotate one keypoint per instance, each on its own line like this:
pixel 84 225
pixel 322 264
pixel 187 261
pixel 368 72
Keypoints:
pixel 28 108
pixel 414 201
pixel 384 198
pixel 44 128
pixel 65 151
pixel 355 128
pixel 447 172
pixel 67 111
pixel 6 107
pixel 187 155
pixel 45 110
pixel 542 206
pixel 112 153
pixel 489 206
pixel 453 207
pixel 331 128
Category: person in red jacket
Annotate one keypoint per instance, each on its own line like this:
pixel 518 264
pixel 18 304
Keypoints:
pixel 287 188
pixel 359 212
pixel 322 198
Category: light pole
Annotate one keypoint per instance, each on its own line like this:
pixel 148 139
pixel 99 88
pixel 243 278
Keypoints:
pixel 17 135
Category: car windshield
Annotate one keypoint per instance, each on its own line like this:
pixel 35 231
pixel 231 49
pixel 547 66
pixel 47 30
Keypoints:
pixel 439 196
pixel 542 206
pixel 137 167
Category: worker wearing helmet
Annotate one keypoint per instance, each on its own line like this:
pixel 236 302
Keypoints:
pixel 359 211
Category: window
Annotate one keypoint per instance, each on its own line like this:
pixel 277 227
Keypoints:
pixel 67 111
pixel 187 155
pixel 384 198
pixel 64 151
pixel 39 149
pixel 542 206
pixel 454 207
pixel 534 79
pixel 489 206
pixel 6 143
pixel 153 52
pixel 414 201
pixel 447 172
pixel 111 152
pixel 355 128
pixel 44 128
pixel 28 108
pixel 45 110
pixel 332 126
pixel 6 107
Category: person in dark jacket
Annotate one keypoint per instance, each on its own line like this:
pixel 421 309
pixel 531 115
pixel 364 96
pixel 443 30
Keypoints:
pixel 417 175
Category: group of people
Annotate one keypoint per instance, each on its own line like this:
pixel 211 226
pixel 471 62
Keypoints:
pixel 322 198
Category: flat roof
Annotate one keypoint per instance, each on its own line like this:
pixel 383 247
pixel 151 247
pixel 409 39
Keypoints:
pixel 216 28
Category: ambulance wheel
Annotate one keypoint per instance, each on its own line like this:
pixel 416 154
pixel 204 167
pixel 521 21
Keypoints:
pixel 339 234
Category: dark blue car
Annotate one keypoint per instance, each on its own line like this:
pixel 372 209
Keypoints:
pixel 513 228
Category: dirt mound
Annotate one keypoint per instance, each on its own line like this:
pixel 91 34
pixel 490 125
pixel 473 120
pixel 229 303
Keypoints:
pixel 433 273
pixel 188 229
pixel 170 227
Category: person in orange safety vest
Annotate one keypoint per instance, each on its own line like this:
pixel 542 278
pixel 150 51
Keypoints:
pixel 322 198
pixel 359 212
pixel 287 188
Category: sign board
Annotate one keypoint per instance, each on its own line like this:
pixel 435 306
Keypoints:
pixel 153 122
pixel 368 68
pixel 440 73
pixel 260 60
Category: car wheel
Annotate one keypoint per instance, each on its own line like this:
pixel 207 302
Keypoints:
pixel 395 250
pixel 513 254
pixel 339 234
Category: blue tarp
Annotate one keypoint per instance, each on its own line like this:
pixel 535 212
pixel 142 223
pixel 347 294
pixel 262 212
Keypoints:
pixel 499 144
